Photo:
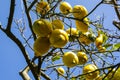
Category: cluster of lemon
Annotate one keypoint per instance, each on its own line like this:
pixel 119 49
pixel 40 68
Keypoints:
pixel 82 25
pixel 79 12
pixel 71 59
pixel 53 34
pixel 48 34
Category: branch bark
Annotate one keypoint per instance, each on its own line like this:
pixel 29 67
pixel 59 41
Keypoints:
pixel 11 14
pixel 21 47
pixel 29 18
pixel 116 9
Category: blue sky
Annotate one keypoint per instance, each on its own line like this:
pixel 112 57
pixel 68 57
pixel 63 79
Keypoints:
pixel 11 59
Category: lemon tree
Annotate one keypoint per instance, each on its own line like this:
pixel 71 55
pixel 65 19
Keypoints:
pixel 66 39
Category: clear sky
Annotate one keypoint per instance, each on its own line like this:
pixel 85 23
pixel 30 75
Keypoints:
pixel 11 59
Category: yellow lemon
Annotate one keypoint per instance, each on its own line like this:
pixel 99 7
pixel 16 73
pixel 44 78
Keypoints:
pixel 72 33
pixel 82 56
pixel 98 78
pixel 42 28
pixel 79 11
pixel 99 40
pixel 65 7
pixel 60 70
pixel 86 38
pixel 82 25
pixel 101 49
pixel 57 24
pixel 90 68
pixel 114 75
pixel 58 38
pixel 70 59
pixel 41 46
pixel 42 7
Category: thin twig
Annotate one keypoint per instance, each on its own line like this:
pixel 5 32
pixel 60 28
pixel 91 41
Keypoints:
pixel 29 18
pixel 32 4
pixel 93 9
pixel 21 47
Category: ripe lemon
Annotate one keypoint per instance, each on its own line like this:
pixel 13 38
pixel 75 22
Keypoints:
pixel 98 78
pixel 99 40
pixel 70 59
pixel 42 7
pixel 82 25
pixel 60 70
pixel 58 38
pixel 82 57
pixel 89 68
pixel 65 7
pixel 86 38
pixel 114 75
pixel 41 46
pixel 42 28
pixel 79 11
pixel 72 33
pixel 101 49
pixel 57 24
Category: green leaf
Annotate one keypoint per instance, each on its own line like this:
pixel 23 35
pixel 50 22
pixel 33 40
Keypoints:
pixel 105 38
pixel 107 45
pixel 116 46
pixel 57 57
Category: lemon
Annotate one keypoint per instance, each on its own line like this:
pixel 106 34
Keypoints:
pixel 82 25
pixel 90 68
pixel 101 49
pixel 86 38
pixel 60 70
pixel 65 7
pixel 79 11
pixel 114 75
pixel 41 46
pixel 58 38
pixel 99 78
pixel 42 27
pixel 70 59
pixel 72 33
pixel 57 24
pixel 82 56
pixel 42 7
pixel 99 40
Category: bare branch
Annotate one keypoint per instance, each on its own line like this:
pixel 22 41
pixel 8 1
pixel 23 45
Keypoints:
pixel 11 14
pixel 24 73
pixel 116 24
pixel 32 4
pixel 29 18
pixel 116 9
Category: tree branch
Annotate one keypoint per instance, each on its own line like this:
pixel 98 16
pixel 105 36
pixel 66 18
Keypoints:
pixel 29 18
pixel 11 14
pixel 21 47
pixel 116 24
pixel 116 8
pixel 32 4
